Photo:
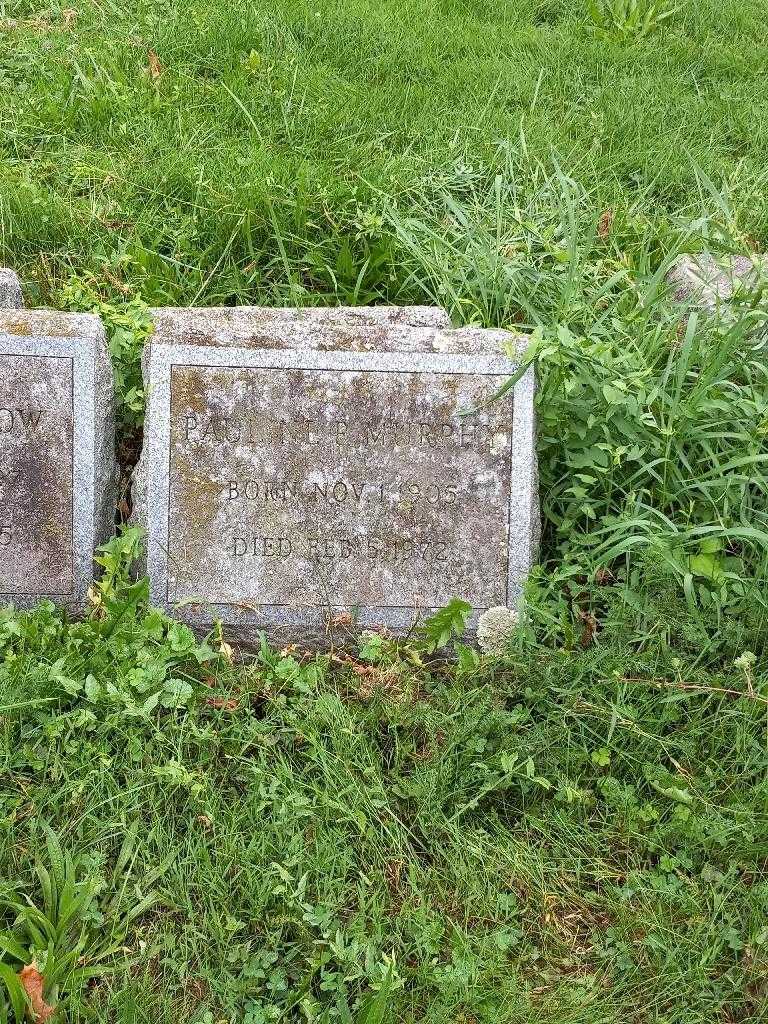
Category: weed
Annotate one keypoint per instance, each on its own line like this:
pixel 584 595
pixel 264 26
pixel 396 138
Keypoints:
pixel 128 326
pixel 75 933
pixel 124 658
pixel 628 20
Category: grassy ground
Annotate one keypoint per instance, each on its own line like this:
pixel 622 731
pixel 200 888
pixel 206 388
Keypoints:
pixel 172 142
pixel 573 832
pixel 565 834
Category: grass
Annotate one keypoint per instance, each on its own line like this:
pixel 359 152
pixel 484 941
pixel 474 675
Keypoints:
pixel 573 832
pixel 564 834
pixel 652 417
pixel 169 146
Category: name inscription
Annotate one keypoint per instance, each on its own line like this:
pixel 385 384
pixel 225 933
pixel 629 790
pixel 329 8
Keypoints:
pixel 17 422
pixel 23 423
pixel 20 421
pixel 385 433
pixel 299 487
pixel 36 475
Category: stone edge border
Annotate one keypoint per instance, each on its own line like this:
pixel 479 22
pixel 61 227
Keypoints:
pixel 225 324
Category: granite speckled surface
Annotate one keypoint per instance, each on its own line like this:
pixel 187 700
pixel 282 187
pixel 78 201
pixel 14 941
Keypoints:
pixel 300 470
pixel 240 325
pixel 57 468
pixel 10 290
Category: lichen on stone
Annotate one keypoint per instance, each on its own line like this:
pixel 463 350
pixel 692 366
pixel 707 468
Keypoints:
pixel 495 629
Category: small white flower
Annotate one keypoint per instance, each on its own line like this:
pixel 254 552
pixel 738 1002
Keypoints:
pixel 745 661
pixel 495 629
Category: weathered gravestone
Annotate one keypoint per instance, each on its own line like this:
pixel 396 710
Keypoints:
pixel 299 466
pixel 57 468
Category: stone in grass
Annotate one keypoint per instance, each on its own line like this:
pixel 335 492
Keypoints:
pixel 496 629
pixel 317 470
pixel 57 466
pixel 712 283
pixel 10 290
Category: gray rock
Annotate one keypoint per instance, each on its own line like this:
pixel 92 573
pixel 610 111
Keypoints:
pixel 57 467
pixel 496 628
pixel 10 290
pixel 305 469
pixel 712 283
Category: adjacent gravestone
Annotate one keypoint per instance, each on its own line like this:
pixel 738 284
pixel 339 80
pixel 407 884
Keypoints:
pixel 712 282
pixel 10 290
pixel 299 466
pixel 57 468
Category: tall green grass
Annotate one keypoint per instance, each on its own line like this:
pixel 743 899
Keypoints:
pixel 653 416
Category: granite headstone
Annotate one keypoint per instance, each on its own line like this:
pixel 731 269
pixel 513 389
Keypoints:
pixel 57 467
pixel 306 467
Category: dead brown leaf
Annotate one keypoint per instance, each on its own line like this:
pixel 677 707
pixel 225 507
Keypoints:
pixel 155 67
pixel 590 628
pixel 33 982
pixel 69 17
pixel 121 286
pixel 222 703
pixel 393 871
pixel 426 750
pixel 605 224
